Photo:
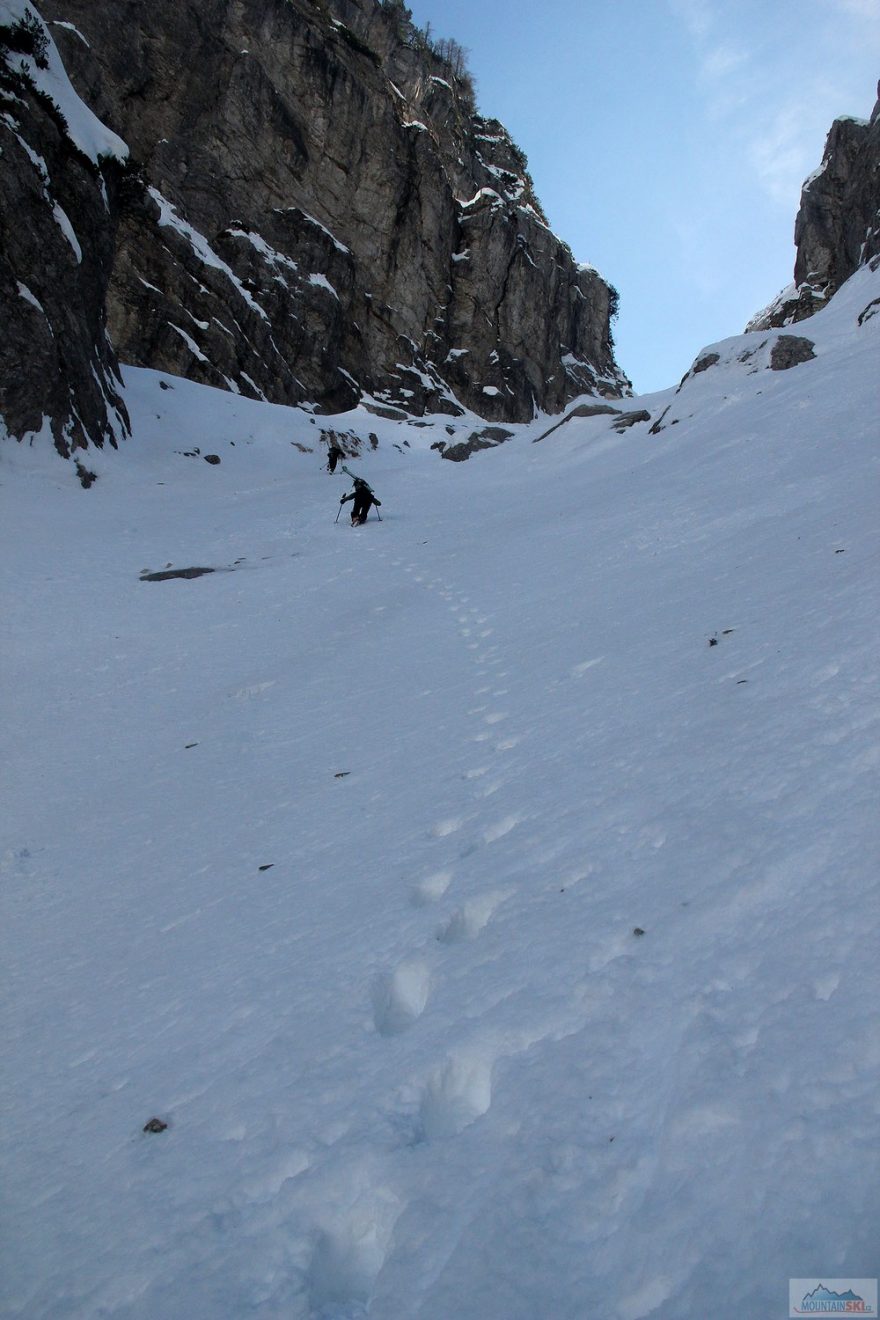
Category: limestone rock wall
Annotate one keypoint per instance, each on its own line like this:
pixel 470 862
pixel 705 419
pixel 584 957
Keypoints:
pixel 318 213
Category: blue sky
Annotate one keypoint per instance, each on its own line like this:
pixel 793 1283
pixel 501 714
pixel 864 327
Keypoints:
pixel 668 140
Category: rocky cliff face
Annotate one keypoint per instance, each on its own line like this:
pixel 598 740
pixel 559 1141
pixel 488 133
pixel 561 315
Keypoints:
pixel 321 215
pixel 838 225
pixel 59 183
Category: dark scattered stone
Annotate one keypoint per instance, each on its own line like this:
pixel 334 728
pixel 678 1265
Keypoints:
pixel 726 632
pixel 188 745
pixel 86 478
pixel 713 641
pixel 871 310
pixel 268 866
pixel 790 351
pixel 212 458
pixel 704 363
pixel 637 930
pixel 740 681
pixel 155 1125
pixel 840 552
pixel 163 385
pixel 340 774
pixel 166 574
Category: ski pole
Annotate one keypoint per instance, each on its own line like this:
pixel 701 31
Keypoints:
pixel 338 511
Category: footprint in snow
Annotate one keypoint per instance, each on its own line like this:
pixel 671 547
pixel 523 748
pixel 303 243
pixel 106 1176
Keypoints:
pixel 350 1251
pixel 500 828
pixel 455 1096
pixel 399 997
pixel 444 828
pixel 432 888
pixel 472 917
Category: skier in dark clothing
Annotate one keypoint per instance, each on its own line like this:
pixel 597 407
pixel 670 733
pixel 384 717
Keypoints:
pixel 363 498
pixel 334 453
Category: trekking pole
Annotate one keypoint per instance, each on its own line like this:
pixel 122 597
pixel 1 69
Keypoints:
pixel 338 511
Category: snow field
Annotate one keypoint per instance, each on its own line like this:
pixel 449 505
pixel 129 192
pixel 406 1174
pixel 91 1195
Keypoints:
pixel 556 997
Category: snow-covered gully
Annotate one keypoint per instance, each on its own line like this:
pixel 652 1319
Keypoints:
pixel 483 902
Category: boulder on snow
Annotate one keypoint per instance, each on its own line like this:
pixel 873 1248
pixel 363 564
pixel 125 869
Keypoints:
pixel 628 419
pixel 487 438
pixel 790 351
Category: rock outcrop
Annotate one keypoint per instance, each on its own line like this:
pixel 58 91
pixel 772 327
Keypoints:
pixel 59 183
pixel 318 214
pixel 838 225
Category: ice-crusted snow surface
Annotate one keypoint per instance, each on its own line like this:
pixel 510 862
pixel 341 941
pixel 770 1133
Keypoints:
pixel 558 995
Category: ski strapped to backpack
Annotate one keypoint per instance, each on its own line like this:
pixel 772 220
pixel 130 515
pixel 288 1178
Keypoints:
pixel 348 472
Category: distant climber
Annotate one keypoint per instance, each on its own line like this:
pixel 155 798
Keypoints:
pixel 364 499
pixel 334 453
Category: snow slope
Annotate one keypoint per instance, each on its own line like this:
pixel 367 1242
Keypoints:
pixel 558 998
